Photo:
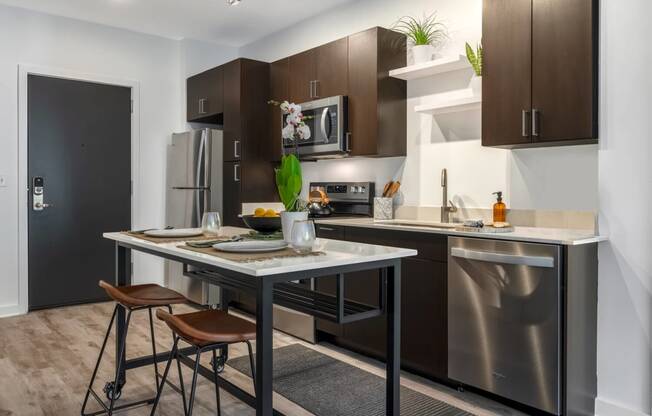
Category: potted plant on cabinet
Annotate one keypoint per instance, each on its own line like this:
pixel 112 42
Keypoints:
pixel 475 59
pixel 424 34
pixel 288 176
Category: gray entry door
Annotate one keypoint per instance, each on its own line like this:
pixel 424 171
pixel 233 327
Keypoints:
pixel 79 146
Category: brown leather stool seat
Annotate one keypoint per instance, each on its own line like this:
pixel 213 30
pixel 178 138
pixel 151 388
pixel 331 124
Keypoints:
pixel 143 295
pixel 209 327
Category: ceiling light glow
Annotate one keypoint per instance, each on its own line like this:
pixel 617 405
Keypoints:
pixel 233 2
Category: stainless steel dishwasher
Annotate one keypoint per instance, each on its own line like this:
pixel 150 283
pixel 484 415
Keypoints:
pixel 504 327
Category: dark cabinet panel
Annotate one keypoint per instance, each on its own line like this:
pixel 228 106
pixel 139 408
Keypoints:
pixel 424 338
pixel 332 69
pixel 302 73
pixel 232 111
pixel 328 284
pixel 232 205
pixel 204 96
pixel 279 88
pixel 377 102
pixel 507 71
pixel 563 76
pixel 363 92
pixel 540 73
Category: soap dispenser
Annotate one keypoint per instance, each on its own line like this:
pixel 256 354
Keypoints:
pixel 499 208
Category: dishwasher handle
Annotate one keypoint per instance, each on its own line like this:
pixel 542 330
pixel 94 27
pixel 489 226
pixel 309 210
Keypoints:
pixel 532 261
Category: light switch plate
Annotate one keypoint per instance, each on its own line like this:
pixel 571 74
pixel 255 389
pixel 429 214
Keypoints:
pixel 3 181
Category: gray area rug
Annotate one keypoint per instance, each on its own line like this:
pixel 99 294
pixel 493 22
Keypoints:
pixel 328 387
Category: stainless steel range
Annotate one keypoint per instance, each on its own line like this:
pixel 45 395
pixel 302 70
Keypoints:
pixel 348 199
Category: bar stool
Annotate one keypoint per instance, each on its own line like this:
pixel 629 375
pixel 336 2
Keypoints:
pixel 131 299
pixel 206 330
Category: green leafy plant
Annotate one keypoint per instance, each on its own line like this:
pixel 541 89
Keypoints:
pixel 289 182
pixel 424 31
pixel 475 58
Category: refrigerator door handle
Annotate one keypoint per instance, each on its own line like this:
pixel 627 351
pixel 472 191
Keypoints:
pixel 200 159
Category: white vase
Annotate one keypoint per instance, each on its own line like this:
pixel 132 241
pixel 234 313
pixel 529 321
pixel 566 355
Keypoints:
pixel 287 221
pixel 476 85
pixel 422 53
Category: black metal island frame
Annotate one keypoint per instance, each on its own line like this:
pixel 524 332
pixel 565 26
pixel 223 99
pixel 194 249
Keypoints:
pixel 271 282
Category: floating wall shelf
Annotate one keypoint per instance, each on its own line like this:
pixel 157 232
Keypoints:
pixel 456 101
pixel 426 69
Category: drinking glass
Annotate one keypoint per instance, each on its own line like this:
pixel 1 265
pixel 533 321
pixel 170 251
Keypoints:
pixel 211 223
pixel 303 236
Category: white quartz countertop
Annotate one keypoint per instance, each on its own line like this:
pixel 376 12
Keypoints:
pixel 559 236
pixel 337 253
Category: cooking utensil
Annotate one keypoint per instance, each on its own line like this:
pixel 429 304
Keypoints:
pixel 393 189
pixel 387 187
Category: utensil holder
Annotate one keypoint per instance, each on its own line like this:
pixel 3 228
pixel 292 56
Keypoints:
pixel 383 208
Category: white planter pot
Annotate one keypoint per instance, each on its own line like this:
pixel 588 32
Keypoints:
pixel 422 53
pixel 476 85
pixel 288 219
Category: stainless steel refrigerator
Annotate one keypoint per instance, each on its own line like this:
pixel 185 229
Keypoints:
pixel 194 186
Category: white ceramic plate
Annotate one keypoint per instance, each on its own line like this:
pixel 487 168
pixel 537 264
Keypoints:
pixel 175 233
pixel 251 246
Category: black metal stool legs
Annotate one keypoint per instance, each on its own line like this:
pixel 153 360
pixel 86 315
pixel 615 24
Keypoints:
pixel 253 366
pixel 173 354
pixel 89 390
pixel 217 387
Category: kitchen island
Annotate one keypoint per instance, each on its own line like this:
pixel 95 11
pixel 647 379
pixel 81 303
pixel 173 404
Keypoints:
pixel 270 282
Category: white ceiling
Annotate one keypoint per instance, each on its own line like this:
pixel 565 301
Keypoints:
pixel 209 20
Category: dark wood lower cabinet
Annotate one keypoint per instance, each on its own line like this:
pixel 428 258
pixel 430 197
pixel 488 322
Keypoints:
pixel 423 304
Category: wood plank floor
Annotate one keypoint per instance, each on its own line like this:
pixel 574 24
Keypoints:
pixel 46 359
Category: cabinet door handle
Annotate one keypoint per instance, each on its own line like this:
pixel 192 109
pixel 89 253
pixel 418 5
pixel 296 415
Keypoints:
pixel 316 88
pixel 535 122
pixel 524 123
pixel 322 228
pixel 202 108
pixel 236 173
pixel 236 145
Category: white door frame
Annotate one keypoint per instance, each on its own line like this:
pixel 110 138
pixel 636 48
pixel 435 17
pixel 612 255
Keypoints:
pixel 23 181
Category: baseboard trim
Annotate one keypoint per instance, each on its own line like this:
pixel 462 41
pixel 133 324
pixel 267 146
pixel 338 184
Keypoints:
pixel 11 310
pixel 607 408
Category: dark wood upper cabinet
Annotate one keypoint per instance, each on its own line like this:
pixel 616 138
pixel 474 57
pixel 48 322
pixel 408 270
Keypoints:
pixel 279 90
pixel 232 110
pixel 331 63
pixel 540 73
pixel 205 96
pixel 507 72
pixel 377 103
pixel 564 75
pixel 303 74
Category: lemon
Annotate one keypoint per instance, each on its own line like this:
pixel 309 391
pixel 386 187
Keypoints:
pixel 270 213
pixel 260 212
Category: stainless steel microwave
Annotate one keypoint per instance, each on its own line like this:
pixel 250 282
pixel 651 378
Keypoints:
pixel 328 122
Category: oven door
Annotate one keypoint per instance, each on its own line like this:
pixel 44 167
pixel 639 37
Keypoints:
pixel 327 120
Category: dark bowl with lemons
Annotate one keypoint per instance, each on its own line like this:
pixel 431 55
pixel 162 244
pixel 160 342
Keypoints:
pixel 263 221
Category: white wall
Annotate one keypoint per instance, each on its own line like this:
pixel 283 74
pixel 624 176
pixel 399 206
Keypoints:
pixel 159 65
pixel 559 178
pixel 625 159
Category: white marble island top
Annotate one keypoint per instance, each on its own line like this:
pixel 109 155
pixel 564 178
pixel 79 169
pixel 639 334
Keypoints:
pixel 337 253
pixel 560 236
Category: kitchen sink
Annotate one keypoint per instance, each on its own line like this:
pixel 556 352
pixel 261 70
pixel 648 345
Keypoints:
pixel 419 223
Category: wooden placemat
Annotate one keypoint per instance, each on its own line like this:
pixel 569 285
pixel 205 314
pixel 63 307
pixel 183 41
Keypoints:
pixel 251 257
pixel 161 240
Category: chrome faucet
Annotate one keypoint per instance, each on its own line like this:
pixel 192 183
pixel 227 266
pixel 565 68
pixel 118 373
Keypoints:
pixel 445 208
